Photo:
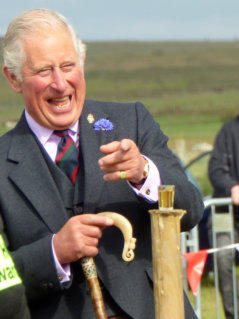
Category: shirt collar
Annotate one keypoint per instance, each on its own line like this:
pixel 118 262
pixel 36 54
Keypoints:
pixel 43 133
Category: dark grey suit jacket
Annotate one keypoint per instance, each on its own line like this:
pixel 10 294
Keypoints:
pixel 33 210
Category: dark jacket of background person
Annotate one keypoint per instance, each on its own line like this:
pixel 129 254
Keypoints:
pixel 32 192
pixel 13 303
pixel 224 161
pixel 224 175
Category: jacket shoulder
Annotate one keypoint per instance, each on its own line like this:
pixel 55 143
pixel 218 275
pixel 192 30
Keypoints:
pixel 107 105
pixel 118 111
pixel 5 139
pixel 231 124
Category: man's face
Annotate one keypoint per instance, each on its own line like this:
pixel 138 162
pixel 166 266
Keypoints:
pixel 53 85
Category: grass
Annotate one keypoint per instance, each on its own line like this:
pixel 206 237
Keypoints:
pixel 191 88
pixel 208 299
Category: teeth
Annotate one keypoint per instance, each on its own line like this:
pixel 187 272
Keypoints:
pixel 63 106
pixel 60 106
pixel 61 99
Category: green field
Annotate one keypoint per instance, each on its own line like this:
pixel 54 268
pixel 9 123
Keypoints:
pixel 191 88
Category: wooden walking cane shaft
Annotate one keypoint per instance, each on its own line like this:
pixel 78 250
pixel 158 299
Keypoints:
pixel 168 288
pixel 89 267
pixel 90 272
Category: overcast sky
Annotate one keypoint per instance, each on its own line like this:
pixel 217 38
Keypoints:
pixel 139 20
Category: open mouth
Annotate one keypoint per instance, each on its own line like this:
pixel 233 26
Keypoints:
pixel 61 103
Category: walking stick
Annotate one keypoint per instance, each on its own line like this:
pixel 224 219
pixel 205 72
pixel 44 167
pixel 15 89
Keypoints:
pixel 167 268
pixel 89 267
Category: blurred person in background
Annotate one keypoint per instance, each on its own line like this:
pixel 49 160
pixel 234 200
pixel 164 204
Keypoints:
pixel 224 176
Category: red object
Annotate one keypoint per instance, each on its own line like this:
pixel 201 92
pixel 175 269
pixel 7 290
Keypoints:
pixel 195 266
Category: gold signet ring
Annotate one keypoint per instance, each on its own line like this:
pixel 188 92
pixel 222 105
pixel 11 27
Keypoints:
pixel 122 174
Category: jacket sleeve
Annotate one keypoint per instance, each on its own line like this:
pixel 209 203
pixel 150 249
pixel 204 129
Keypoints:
pixel 220 164
pixel 153 143
pixel 31 259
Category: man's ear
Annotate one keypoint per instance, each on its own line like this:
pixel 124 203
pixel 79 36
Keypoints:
pixel 12 79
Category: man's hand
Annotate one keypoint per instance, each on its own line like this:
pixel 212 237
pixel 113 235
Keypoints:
pixel 79 237
pixel 122 156
pixel 235 194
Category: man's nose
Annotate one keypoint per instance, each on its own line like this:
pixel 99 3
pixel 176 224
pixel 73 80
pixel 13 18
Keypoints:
pixel 58 80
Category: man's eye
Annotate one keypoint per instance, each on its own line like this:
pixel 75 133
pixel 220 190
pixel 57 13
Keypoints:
pixel 67 67
pixel 44 72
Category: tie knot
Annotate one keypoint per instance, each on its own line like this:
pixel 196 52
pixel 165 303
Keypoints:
pixel 61 133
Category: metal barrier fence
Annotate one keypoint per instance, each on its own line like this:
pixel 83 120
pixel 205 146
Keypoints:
pixel 190 242
pixel 221 222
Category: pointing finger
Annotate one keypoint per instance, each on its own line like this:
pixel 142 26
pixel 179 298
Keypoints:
pixel 125 145
pixel 110 147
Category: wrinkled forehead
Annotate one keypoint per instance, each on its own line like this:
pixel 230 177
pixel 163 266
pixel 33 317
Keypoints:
pixel 43 30
pixel 40 38
pixel 50 47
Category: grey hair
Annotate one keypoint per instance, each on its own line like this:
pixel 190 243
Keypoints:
pixel 23 26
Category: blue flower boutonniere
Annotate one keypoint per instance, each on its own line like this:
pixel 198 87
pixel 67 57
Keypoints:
pixel 103 125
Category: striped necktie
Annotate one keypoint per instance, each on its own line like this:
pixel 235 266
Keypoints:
pixel 67 157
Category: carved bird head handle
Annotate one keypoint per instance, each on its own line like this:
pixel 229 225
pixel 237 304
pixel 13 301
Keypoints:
pixel 124 225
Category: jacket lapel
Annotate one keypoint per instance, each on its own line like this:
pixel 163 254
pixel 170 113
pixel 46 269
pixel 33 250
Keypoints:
pixel 90 142
pixel 32 177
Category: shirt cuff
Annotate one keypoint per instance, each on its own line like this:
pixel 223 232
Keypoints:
pixel 149 190
pixel 63 271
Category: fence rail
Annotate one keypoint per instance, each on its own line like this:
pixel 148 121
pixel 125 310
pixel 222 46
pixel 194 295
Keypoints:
pixel 221 222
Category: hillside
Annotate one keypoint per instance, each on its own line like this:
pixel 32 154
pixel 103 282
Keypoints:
pixel 191 88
